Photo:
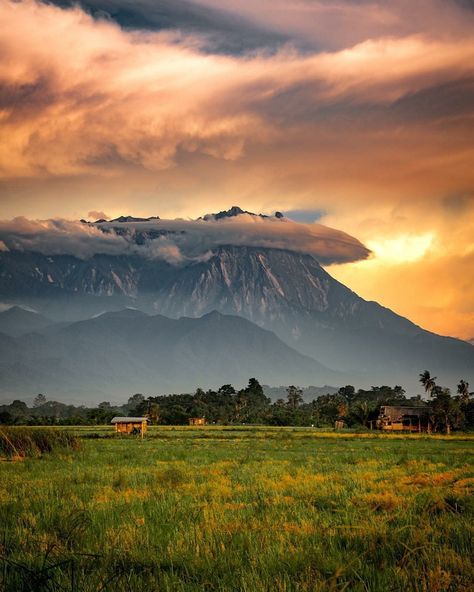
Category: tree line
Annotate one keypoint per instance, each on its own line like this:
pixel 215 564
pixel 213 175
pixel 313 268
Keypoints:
pixel 250 405
pixel 447 411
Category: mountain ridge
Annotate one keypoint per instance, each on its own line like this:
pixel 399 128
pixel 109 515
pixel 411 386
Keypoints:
pixel 119 353
pixel 17 321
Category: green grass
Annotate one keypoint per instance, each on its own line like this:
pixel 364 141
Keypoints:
pixel 18 443
pixel 251 509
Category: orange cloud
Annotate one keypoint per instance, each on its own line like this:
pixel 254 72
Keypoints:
pixel 82 96
pixel 422 264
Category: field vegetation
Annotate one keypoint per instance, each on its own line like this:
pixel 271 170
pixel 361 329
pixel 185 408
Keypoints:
pixel 240 508
pixel 18 443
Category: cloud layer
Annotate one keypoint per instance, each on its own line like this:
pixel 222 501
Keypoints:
pixel 59 237
pixel 81 96
pixel 178 241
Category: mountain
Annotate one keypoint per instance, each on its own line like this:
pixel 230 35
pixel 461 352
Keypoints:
pixel 283 291
pixel 230 213
pixel 117 354
pixel 124 219
pixel 292 295
pixel 17 321
pixel 233 212
pixel 29 275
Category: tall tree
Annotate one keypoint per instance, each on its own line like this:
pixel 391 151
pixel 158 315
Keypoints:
pixel 294 397
pixel 428 382
pixel 362 410
pixel 348 392
pixel 135 400
pixel 463 391
pixel 254 387
pixel 154 412
pixel 226 389
pixel 447 410
pixel 330 407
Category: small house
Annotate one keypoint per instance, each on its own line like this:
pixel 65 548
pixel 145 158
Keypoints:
pixel 404 419
pixel 197 421
pixel 130 425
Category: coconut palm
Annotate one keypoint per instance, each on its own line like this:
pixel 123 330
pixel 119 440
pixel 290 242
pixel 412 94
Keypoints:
pixel 428 382
pixel 463 390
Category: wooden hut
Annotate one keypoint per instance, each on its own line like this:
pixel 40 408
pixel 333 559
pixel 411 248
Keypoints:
pixel 130 425
pixel 197 421
pixel 400 418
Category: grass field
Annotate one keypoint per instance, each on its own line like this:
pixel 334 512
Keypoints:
pixel 251 509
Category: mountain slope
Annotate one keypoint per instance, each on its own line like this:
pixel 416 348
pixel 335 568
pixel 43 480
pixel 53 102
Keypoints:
pixel 17 321
pixel 295 297
pixel 283 291
pixel 117 354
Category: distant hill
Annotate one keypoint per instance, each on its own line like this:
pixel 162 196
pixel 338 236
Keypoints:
pixel 17 321
pixel 120 353
pixel 309 393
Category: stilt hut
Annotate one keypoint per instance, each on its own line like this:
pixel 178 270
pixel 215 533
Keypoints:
pixel 197 421
pixel 131 425
pixel 398 418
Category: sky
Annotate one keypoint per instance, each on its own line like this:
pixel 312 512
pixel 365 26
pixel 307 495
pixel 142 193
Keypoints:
pixel 357 115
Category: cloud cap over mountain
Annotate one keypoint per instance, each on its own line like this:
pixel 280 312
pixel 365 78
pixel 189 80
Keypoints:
pixel 177 241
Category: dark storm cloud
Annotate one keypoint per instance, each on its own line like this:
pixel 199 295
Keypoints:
pixel 224 32
pixel 335 25
pixel 469 4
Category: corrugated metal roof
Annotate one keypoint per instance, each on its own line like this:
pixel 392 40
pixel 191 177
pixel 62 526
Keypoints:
pixel 129 419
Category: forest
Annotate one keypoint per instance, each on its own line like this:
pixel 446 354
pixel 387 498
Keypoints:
pixel 250 405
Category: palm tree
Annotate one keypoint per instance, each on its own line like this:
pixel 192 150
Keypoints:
pixel 463 390
pixel 428 382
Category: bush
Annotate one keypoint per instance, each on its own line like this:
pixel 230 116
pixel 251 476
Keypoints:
pixel 24 442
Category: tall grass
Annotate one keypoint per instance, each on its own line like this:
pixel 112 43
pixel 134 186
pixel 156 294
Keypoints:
pixel 28 442
pixel 252 511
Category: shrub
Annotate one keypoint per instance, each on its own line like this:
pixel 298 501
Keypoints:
pixel 24 442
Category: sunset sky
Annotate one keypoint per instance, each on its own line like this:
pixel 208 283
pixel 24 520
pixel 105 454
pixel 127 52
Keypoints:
pixel 355 114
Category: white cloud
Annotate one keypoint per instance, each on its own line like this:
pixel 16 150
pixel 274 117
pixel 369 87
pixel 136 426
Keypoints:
pixel 178 241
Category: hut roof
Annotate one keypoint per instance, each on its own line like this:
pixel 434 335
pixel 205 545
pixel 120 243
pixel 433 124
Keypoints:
pixel 129 419
pixel 399 410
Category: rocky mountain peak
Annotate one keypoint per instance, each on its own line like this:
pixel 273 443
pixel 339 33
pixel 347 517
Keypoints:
pixel 125 219
pixel 233 212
